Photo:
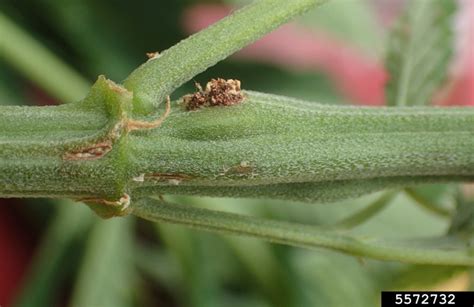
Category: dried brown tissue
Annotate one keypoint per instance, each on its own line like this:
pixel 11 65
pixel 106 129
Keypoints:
pixel 218 92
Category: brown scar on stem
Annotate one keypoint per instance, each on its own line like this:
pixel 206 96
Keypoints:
pixel 152 55
pixel 167 176
pixel 98 150
pixel 93 152
pixel 117 88
pixel 123 203
pixel 132 125
pixel 242 169
pixel 218 92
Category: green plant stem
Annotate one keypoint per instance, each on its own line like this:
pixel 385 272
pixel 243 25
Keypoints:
pixel 270 140
pixel 37 63
pixel 368 212
pixel 426 204
pixel 159 77
pixel 267 146
pixel 298 234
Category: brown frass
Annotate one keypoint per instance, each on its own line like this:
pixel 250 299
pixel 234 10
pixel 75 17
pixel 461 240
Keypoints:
pixel 218 92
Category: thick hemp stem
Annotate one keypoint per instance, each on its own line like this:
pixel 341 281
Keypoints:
pixel 265 146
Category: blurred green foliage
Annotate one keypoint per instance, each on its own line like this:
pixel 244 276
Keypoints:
pixel 128 262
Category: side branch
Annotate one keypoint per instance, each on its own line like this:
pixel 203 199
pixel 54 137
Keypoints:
pixel 165 72
pixel 298 234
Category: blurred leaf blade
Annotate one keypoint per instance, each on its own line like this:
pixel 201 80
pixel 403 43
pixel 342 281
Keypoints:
pixel 10 90
pixel 47 271
pixel 419 51
pixel 38 63
pixel 82 24
pixel 193 255
pixel 462 223
pixel 108 263
pixel 424 276
pixel 257 257
pixel 353 22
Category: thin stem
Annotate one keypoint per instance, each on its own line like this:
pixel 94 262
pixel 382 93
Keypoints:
pixel 426 204
pixel 309 192
pixel 296 234
pixel 365 214
pixel 39 64
pixel 161 75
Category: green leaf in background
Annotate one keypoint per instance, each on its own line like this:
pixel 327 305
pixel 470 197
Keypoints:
pixel 415 277
pixel 463 221
pixel 330 279
pixel 437 198
pixel 10 91
pixel 36 62
pixel 53 259
pixel 268 273
pixel 419 50
pixel 106 277
pixel 351 21
pixel 195 257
